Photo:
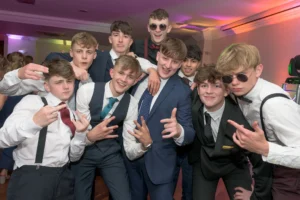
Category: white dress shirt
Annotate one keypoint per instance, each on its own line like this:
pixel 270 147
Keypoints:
pixel 84 96
pixel 216 117
pixel 282 123
pixel 19 129
pixel 138 94
pixel 191 78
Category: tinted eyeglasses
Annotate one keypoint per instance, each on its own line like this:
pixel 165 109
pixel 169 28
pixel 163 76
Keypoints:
pixel 229 78
pixel 162 27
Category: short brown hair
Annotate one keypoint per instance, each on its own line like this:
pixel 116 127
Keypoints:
pixel 239 55
pixel 173 48
pixel 59 67
pixel 85 39
pixel 126 62
pixel 159 14
pixel 121 26
pixel 28 59
pixel 208 73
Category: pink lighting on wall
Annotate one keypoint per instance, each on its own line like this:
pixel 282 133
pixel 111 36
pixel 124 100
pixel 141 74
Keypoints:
pixel 15 37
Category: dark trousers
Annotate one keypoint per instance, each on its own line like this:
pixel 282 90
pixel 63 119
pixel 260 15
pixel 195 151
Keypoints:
pixel 204 189
pixel 112 170
pixel 286 183
pixel 141 185
pixel 43 183
pixel 187 176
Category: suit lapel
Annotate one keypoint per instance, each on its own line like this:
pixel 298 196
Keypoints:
pixel 164 93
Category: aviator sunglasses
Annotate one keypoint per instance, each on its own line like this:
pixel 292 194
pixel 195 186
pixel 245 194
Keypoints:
pixel 229 78
pixel 162 27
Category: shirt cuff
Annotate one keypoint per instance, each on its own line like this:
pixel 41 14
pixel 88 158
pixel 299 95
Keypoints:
pixel 180 139
pixel 29 126
pixel 272 153
pixel 80 137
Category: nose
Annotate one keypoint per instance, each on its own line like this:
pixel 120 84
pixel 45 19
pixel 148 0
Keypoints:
pixel 209 89
pixel 188 63
pixel 84 55
pixel 120 38
pixel 235 81
pixel 168 63
pixel 65 85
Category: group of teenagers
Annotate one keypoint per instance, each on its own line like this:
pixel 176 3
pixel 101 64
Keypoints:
pixel 142 110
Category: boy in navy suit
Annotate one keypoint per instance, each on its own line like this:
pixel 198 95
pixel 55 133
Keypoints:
pixel 167 118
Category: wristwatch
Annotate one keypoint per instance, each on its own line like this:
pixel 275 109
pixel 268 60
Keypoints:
pixel 148 146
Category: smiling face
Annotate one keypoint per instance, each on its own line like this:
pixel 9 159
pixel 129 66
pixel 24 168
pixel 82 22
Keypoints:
pixel 212 95
pixel 166 66
pixel 190 66
pixel 158 29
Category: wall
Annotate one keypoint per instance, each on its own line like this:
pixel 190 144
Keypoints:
pixel 277 44
pixel 26 44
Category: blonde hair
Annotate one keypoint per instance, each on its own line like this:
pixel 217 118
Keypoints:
pixel 85 39
pixel 236 56
pixel 16 60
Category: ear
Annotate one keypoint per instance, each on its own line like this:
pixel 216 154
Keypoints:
pixel 131 41
pixel 169 28
pixel 148 28
pixel 111 72
pixel 71 52
pixel 227 91
pixel 258 70
pixel 95 55
pixel 158 55
pixel 46 86
pixel 110 39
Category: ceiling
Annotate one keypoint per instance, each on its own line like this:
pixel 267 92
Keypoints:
pixel 186 16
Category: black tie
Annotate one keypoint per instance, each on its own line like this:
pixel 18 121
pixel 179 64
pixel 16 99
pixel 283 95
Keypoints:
pixel 244 99
pixel 208 130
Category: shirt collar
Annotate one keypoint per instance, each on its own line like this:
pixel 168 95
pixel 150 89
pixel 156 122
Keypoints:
pixel 255 90
pixel 108 93
pixel 216 114
pixel 191 78
pixel 113 54
pixel 53 100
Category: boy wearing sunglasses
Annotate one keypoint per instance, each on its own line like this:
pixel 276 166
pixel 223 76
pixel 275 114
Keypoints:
pixel 158 27
pixel 276 124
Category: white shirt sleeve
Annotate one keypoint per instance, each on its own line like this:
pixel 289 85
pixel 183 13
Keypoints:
pixel 77 146
pixel 145 64
pixel 282 117
pixel 12 85
pixel 132 148
pixel 19 125
pixel 180 139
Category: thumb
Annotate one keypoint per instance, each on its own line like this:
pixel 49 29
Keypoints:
pixel 256 127
pixel 173 115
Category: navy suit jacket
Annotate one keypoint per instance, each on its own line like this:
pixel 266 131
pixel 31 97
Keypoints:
pixel 160 159
pixel 99 70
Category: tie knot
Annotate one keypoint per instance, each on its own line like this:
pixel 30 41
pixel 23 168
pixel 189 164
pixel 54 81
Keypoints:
pixel 244 99
pixel 112 100
pixel 186 80
pixel 61 103
pixel 154 46
pixel 207 118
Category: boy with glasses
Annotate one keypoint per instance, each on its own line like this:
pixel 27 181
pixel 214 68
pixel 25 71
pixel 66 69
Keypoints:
pixel 158 27
pixel 274 116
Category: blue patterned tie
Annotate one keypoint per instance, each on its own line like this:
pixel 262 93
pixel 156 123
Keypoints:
pixel 108 107
pixel 144 105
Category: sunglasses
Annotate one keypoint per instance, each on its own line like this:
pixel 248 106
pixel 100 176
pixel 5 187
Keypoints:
pixel 162 27
pixel 229 78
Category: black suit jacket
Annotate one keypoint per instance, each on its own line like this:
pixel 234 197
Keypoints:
pixel 216 161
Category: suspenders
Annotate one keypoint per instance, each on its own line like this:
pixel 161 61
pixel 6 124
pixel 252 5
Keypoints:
pixel 42 140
